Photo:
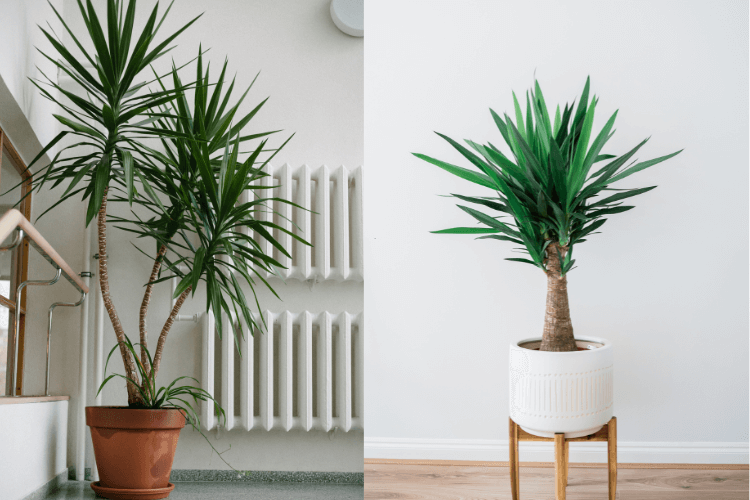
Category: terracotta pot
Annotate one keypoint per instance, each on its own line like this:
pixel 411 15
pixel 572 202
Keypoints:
pixel 134 450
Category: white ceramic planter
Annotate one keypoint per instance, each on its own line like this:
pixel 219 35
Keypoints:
pixel 554 392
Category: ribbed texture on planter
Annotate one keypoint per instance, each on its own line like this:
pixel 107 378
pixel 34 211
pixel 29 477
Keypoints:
pixel 553 392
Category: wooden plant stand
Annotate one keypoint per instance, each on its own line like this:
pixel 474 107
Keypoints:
pixel 607 433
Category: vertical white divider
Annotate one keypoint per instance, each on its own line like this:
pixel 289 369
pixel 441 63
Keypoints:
pixel 286 380
pixel 325 371
pixel 227 368
pixel 356 259
pixel 323 223
pixel 359 367
pixel 246 375
pixel 304 199
pixel 207 375
pixel 344 371
pixel 340 209
pixel 266 373
pixel 266 213
pixel 285 210
pixel 304 371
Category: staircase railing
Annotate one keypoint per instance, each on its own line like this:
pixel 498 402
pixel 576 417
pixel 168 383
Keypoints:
pixel 11 221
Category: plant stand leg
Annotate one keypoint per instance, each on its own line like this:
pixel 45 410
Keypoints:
pixel 612 457
pixel 560 467
pixel 513 462
pixel 607 433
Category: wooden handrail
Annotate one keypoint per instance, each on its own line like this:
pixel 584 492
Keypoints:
pixel 14 219
pixel 10 304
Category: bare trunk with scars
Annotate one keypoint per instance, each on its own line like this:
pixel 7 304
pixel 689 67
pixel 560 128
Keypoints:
pixel 558 329
pixel 134 397
pixel 165 331
pixel 148 382
pixel 144 309
pixel 131 371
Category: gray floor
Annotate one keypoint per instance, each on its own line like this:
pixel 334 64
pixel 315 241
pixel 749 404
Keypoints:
pixel 75 490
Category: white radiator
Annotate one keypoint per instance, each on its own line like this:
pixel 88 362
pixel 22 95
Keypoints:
pixel 332 223
pixel 305 372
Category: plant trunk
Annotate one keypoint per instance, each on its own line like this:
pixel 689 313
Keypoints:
pixel 165 331
pixel 144 309
pixel 558 329
pixel 134 398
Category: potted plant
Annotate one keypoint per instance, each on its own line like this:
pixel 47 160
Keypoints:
pixel 182 168
pixel 552 192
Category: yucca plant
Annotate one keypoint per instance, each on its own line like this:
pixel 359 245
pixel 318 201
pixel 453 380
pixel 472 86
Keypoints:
pixel 185 398
pixel 199 174
pixel 106 121
pixel 549 191
pixel 172 395
pixel 190 183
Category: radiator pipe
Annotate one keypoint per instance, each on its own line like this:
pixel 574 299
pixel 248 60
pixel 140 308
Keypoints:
pixel 98 356
pixel 83 363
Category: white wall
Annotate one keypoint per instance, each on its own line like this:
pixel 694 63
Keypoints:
pixel 20 60
pixel 667 281
pixel 312 71
pixel 33 439
pixel 34 435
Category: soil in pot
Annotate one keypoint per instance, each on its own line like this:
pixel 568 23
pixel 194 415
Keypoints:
pixel 581 345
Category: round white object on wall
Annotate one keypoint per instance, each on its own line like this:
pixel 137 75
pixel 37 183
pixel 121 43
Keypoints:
pixel 349 16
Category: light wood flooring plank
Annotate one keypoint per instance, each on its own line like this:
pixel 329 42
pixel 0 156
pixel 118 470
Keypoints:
pixel 421 482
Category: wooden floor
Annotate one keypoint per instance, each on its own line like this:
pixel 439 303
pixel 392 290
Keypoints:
pixel 476 481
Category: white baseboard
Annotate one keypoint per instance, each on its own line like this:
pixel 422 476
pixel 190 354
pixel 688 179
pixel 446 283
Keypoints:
pixel 497 451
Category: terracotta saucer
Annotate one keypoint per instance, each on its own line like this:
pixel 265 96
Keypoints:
pixel 127 494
